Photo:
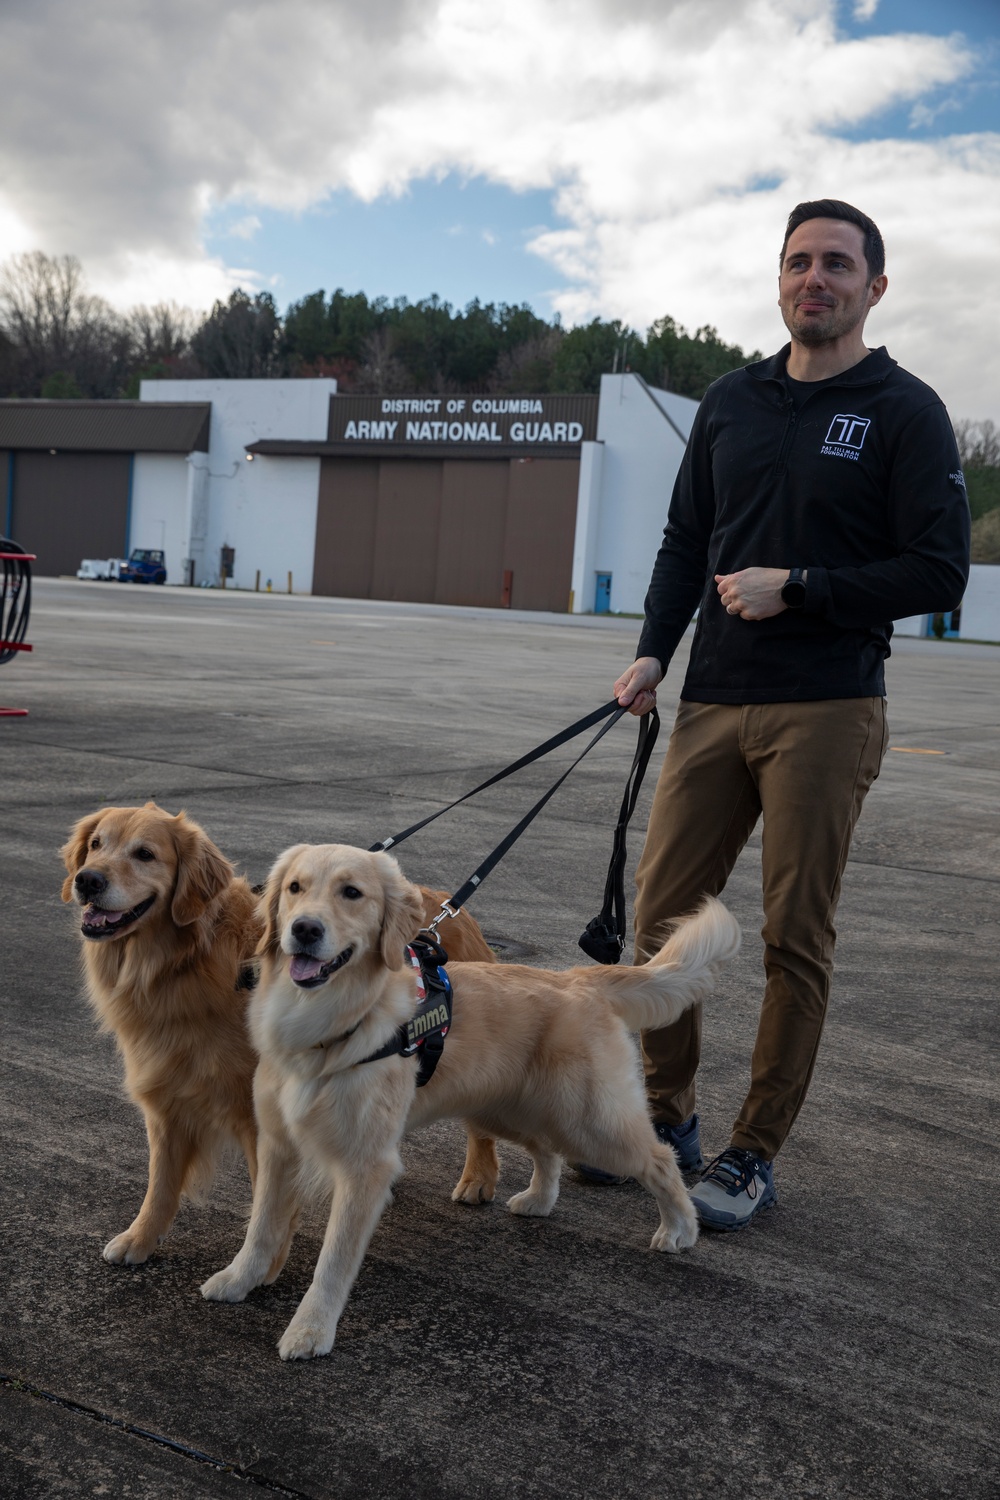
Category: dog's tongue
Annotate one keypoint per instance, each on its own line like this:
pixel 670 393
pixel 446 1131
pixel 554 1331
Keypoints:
pixel 96 916
pixel 303 967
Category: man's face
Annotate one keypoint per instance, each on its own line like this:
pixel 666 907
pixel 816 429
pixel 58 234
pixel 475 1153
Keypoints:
pixel 823 287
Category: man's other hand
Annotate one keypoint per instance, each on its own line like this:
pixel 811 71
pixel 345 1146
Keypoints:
pixel 636 687
pixel 753 593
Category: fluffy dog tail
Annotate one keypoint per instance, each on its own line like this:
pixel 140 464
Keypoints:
pixel 685 970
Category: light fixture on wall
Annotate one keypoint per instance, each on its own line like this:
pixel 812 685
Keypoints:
pixel 250 458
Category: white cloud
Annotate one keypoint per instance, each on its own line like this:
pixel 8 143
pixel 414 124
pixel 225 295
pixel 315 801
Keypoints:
pixel 864 10
pixel 653 123
pixel 245 228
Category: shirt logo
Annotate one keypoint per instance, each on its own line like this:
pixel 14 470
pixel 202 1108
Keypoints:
pixel 846 436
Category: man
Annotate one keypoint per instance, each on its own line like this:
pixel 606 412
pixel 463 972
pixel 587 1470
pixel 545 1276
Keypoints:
pixel 820 498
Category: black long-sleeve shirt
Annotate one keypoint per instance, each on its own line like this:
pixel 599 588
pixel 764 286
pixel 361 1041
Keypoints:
pixel 859 482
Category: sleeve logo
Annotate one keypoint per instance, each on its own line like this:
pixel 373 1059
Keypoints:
pixel 846 436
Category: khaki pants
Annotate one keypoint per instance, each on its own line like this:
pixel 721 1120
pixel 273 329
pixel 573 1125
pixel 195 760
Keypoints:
pixel 806 767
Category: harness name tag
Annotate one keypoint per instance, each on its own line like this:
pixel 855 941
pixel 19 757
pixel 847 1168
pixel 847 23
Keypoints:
pixel 433 1015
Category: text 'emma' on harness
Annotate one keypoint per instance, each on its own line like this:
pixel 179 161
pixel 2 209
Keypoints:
pixel 603 938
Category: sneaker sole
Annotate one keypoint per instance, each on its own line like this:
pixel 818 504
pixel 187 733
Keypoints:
pixel 719 1228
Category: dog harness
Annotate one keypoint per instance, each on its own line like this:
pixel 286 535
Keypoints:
pixel 424 1033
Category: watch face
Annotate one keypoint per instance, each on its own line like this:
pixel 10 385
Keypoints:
pixel 793 593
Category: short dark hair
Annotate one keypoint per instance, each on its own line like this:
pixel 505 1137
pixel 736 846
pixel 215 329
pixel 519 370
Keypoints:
pixel 833 208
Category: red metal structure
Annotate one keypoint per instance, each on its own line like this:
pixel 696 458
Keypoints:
pixel 15 607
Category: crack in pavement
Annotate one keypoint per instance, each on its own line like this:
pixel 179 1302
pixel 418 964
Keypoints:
pixel 78 1408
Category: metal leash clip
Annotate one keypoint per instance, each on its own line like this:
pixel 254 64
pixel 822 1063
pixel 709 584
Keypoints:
pixel 447 910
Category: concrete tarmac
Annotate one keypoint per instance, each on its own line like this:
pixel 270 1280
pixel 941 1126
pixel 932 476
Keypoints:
pixel 845 1345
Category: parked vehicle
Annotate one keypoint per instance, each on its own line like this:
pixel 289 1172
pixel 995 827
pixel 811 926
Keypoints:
pixel 108 568
pixel 146 565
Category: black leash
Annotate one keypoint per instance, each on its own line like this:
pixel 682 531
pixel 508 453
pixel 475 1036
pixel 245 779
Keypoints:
pixel 561 738
pixel 603 939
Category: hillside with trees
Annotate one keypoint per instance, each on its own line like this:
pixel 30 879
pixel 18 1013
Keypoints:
pixel 58 340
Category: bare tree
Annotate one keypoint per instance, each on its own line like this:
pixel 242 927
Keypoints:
pixel 978 444
pixel 58 332
pixel 381 371
pixel 161 334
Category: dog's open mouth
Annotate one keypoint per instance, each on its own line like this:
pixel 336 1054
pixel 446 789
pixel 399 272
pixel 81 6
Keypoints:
pixel 308 972
pixel 98 923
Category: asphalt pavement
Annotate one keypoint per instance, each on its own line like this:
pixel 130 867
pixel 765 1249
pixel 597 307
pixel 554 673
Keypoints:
pixel 844 1345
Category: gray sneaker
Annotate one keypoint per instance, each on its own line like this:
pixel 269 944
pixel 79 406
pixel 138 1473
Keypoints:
pixel 734 1189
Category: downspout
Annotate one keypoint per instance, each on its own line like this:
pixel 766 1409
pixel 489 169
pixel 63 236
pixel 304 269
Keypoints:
pixel 128 507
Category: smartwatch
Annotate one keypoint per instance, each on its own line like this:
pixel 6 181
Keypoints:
pixel 793 591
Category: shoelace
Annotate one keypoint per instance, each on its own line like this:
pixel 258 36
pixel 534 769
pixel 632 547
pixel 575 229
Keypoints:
pixel 736 1171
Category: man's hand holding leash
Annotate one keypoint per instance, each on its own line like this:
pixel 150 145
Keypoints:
pixel 636 687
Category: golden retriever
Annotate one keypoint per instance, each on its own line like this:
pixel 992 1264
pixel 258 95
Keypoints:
pixel 169 932
pixel 544 1059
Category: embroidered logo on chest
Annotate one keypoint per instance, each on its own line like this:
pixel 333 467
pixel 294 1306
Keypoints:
pixel 846 436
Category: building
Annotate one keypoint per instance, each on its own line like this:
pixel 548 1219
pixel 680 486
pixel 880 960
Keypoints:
pixel 547 502
pixel 551 502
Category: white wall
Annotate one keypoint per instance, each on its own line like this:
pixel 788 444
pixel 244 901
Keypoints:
pixel 160 508
pixel 624 494
pixel 981 605
pixel 265 509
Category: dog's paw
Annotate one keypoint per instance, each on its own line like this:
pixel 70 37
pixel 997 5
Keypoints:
pixel 225 1286
pixel 674 1237
pixel 473 1190
pixel 531 1205
pixel 126 1250
pixel 305 1340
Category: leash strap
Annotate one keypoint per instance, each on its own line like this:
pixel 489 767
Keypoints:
pixel 587 722
pixel 603 939
pixel 456 902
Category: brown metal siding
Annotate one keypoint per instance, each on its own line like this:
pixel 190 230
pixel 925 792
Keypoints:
pixel 470 546
pixel 541 522
pixel 345 528
pixel 68 506
pixel 106 426
pixel 434 531
pixel 406 531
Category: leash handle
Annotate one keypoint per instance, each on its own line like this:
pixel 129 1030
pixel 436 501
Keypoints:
pixel 517 765
pixel 455 903
pixel 603 939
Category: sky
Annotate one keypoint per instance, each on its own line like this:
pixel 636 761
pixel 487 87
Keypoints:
pixel 594 158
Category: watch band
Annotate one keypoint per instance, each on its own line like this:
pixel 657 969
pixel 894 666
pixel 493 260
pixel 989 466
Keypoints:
pixel 793 590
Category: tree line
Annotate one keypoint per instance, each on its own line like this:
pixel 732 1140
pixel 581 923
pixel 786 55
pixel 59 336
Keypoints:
pixel 59 340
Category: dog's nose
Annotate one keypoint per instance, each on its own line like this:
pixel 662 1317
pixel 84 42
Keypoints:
pixel 306 930
pixel 90 883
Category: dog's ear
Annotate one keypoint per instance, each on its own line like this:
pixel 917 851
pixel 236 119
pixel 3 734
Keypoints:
pixel 202 871
pixel 404 912
pixel 270 899
pixel 74 851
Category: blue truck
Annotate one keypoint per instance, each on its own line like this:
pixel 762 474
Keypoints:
pixel 146 565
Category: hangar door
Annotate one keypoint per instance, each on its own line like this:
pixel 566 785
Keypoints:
pixel 68 506
pixel 447 531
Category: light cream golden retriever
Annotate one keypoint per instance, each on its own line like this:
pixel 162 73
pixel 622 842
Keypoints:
pixel 544 1059
pixel 169 932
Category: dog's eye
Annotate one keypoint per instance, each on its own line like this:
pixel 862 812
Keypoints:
pixel 144 854
pixel 295 887
pixel 95 843
pixel 352 893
